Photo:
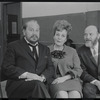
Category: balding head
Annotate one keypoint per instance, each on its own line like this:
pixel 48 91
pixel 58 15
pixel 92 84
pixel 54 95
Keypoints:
pixel 31 31
pixel 91 36
pixel 30 23
pixel 91 28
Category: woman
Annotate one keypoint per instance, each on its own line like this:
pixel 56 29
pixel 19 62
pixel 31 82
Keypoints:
pixel 67 64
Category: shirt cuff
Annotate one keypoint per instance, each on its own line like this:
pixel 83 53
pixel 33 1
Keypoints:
pixel 24 75
pixel 92 82
pixel 43 77
pixel 71 74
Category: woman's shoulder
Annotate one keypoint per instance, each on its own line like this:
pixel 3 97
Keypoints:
pixel 69 49
pixel 51 47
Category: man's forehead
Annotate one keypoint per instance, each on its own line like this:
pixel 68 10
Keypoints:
pixel 33 24
pixel 91 28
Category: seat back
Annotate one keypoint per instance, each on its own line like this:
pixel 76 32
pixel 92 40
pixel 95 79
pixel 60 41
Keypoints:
pixel 3 77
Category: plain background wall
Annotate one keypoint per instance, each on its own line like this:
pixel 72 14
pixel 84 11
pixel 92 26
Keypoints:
pixel 36 9
pixel 46 13
pixel 46 26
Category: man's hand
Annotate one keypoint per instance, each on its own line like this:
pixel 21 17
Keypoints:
pixel 30 76
pixel 97 83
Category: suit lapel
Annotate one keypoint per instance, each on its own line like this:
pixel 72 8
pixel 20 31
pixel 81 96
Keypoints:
pixel 99 61
pixel 90 55
pixel 99 55
pixel 26 47
pixel 40 53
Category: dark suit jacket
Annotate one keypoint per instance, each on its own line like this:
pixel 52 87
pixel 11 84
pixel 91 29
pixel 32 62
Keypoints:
pixel 19 59
pixel 91 70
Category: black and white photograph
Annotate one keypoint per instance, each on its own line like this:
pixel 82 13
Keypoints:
pixel 50 50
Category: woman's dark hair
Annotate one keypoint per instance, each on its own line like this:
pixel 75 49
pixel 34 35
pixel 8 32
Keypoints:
pixel 59 25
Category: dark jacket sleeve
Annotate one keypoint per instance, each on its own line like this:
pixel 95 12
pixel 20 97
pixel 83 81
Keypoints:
pixel 86 77
pixel 49 71
pixel 9 67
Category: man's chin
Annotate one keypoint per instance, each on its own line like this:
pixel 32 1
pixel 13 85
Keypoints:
pixel 88 45
pixel 33 42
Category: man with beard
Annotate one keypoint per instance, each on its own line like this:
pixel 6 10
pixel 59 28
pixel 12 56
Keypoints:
pixel 90 62
pixel 28 66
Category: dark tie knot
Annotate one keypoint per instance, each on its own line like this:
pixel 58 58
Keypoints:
pixel 34 51
pixel 33 47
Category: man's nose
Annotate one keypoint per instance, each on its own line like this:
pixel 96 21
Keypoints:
pixel 34 32
pixel 88 37
pixel 59 37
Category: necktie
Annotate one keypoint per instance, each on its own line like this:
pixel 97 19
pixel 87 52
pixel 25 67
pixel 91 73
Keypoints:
pixel 95 55
pixel 34 51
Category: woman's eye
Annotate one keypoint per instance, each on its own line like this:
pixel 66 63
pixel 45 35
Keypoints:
pixel 63 35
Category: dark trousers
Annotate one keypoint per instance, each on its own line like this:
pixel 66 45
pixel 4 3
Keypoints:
pixel 90 90
pixel 30 89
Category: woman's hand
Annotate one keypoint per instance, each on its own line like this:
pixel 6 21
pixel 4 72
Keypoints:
pixel 97 83
pixel 61 79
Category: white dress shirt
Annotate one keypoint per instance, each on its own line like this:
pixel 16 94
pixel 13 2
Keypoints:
pixel 96 49
pixel 37 49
